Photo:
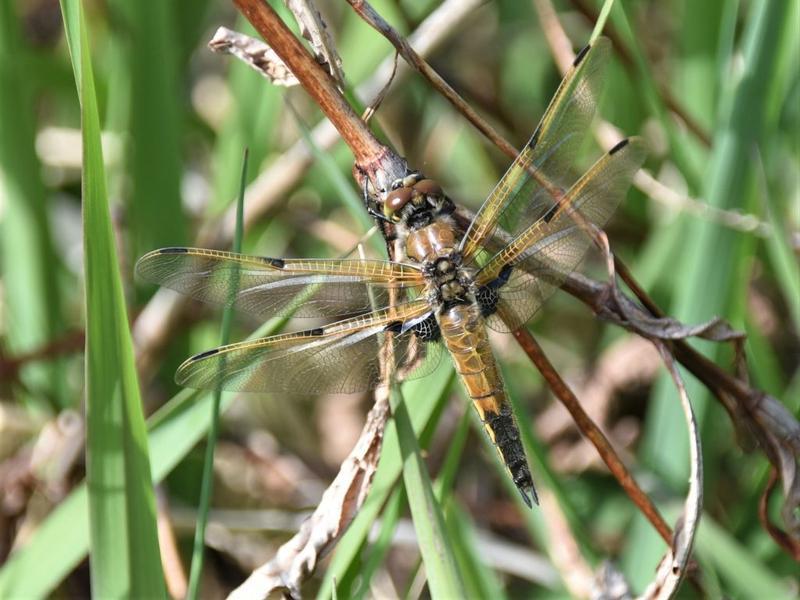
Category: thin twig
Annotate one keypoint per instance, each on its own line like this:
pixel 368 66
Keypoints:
pixel 593 433
pixel 314 79
pixel 366 12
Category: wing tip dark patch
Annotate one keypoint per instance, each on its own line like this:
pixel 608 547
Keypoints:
pixel 581 55
pixel 203 355
pixel 316 332
pixel 535 137
pixel 173 250
pixel 620 145
pixel 278 263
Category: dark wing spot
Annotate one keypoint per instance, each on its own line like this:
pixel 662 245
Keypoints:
pixel 535 137
pixel 274 262
pixel 619 146
pixel 581 55
pixel 175 250
pixel 315 332
pixel 205 354
pixel 551 212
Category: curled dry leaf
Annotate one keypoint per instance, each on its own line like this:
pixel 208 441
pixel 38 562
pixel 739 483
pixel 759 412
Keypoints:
pixel 775 430
pixel 673 566
pixel 314 29
pixel 298 557
pixel 255 53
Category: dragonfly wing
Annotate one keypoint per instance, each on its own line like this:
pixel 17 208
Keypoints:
pixel 344 357
pixel 525 273
pixel 541 172
pixel 268 287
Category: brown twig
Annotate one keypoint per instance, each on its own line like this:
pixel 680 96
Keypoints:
pixel 69 343
pixel 593 433
pixel 366 12
pixel 790 545
pixel 315 81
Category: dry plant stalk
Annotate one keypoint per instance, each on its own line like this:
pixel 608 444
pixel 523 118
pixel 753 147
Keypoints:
pixel 297 558
pixel 773 426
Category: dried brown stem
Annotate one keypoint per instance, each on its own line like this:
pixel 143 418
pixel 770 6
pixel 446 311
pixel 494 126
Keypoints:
pixel 593 433
pixel 366 12
pixel 314 79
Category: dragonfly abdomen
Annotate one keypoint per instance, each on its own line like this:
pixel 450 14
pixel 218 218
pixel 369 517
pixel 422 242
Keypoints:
pixel 464 333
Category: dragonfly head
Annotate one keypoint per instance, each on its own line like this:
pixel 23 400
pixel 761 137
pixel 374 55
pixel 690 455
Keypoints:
pixel 415 201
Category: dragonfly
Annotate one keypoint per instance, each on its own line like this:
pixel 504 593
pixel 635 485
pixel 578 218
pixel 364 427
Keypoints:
pixel 445 292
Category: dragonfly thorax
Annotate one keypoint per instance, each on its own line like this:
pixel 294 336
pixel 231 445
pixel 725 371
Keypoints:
pixel 448 282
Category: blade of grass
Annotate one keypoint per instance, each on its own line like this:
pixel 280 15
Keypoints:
pixel 31 296
pixel 423 397
pixel 390 517
pixel 442 488
pixel 736 564
pixel 605 10
pixel 154 154
pixel 716 255
pixel 125 557
pixel 207 485
pixel 479 580
pixel 442 573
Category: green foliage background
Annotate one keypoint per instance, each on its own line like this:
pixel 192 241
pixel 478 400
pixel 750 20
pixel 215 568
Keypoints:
pixel 176 119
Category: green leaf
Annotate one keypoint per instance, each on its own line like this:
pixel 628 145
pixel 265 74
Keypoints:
pixel 125 558
pixel 423 397
pixel 28 261
pixel 441 570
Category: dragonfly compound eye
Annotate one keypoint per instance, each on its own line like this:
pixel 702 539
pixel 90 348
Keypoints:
pixel 428 187
pixel 396 200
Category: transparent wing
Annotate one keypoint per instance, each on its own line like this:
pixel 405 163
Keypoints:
pixel 267 287
pixel 342 358
pixel 542 171
pixel 537 261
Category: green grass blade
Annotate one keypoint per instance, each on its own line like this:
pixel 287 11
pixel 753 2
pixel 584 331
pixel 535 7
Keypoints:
pixel 479 580
pixel 441 569
pixel 125 557
pixel 736 565
pixel 154 153
pixel 377 553
pixel 601 20
pixel 62 540
pixel 424 397
pixel 207 485
pixel 28 262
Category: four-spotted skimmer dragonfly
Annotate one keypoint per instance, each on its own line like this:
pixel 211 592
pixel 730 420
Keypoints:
pixel 452 284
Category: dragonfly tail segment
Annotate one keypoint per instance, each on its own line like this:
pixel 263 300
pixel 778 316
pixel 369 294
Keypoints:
pixel 498 419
